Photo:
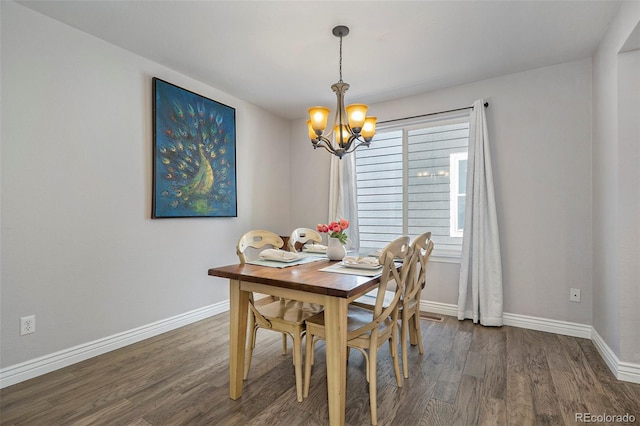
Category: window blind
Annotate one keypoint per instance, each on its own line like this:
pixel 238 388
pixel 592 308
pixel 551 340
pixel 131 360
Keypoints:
pixel 380 190
pixel 404 183
pixel 429 183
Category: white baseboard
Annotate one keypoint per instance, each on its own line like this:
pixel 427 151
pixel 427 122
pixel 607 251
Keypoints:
pixel 516 320
pixel 565 328
pixel 29 369
pixel 439 308
pixel 48 363
pixel 629 372
pixel 626 371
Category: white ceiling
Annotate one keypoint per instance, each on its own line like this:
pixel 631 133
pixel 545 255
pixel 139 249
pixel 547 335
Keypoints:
pixel 282 56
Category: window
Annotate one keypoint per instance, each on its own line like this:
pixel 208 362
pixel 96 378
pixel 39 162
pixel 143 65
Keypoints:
pixel 458 191
pixel 412 180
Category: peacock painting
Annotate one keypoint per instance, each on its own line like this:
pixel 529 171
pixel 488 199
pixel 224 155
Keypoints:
pixel 194 154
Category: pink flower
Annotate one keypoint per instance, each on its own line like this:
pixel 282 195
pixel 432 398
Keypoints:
pixel 336 229
pixel 322 228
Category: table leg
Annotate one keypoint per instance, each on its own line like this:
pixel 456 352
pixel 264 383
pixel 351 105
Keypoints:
pixel 239 305
pixel 336 351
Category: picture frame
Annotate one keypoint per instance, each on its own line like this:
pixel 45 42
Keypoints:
pixel 194 155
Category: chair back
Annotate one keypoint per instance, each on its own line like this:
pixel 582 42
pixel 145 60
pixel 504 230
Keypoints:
pixel 257 239
pixel 303 236
pixel 421 249
pixel 396 251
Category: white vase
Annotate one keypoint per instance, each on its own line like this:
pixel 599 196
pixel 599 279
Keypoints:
pixel 335 249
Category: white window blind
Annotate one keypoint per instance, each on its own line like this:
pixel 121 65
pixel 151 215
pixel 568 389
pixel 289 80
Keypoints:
pixel 379 171
pixel 404 183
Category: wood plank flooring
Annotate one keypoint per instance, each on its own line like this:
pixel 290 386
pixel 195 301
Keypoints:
pixel 468 375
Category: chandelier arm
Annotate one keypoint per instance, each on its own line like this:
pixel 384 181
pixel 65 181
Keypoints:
pixel 328 143
pixel 361 143
pixel 347 147
pixel 358 145
pixel 325 143
pixel 340 152
pixel 328 149
pixel 352 138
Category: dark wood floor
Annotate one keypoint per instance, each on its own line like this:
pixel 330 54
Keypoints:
pixel 468 375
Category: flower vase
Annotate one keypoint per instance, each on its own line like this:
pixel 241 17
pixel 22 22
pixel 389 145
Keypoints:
pixel 335 249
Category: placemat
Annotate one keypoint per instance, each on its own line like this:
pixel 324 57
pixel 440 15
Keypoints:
pixel 339 269
pixel 308 258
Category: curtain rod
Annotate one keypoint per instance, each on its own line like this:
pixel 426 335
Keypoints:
pixel 486 104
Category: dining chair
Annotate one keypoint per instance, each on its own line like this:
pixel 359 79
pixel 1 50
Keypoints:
pixel 302 236
pixel 280 315
pixel 421 247
pixel 369 329
pixel 409 307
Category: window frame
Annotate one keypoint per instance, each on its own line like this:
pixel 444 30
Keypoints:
pixel 405 127
pixel 454 192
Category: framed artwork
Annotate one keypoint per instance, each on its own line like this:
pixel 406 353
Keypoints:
pixel 194 154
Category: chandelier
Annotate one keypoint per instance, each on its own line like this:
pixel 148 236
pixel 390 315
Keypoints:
pixel 351 127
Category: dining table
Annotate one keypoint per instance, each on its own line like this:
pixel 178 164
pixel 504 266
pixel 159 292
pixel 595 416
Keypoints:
pixel 306 282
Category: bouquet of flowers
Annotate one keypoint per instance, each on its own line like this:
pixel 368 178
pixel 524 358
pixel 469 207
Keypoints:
pixel 336 229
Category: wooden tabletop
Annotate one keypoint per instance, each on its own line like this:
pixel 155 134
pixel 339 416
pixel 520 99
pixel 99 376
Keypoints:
pixel 305 277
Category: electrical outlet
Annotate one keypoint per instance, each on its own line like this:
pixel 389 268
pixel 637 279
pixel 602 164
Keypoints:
pixel 574 295
pixel 27 325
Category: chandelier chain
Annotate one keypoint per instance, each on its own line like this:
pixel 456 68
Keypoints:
pixel 340 64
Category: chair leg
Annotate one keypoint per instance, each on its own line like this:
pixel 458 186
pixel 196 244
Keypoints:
pixel 403 344
pixel 373 375
pixel 252 342
pixel 284 343
pixel 366 360
pixel 297 362
pixel 417 325
pixel 412 330
pixel 394 353
pixel 308 362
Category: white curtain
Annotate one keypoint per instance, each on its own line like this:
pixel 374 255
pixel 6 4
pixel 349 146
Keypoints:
pixel 342 195
pixel 480 292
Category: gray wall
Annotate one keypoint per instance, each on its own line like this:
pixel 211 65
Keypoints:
pixel 79 249
pixel 540 132
pixel 616 187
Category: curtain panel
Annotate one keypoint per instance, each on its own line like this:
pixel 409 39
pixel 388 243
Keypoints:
pixel 343 195
pixel 480 295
